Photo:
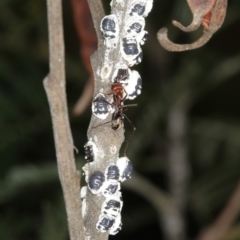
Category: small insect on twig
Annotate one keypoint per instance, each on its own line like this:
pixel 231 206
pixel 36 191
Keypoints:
pixel 127 84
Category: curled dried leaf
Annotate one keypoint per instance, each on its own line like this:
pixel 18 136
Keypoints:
pixel 199 9
pixel 211 21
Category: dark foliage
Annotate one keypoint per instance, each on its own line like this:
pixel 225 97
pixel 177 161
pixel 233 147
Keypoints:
pixel 31 201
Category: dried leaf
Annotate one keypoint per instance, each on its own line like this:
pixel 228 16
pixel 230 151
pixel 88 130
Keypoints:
pixel 211 20
pixel 85 29
pixel 88 45
pixel 199 9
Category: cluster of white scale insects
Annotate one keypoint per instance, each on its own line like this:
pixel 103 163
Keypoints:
pixel 124 31
pixel 107 184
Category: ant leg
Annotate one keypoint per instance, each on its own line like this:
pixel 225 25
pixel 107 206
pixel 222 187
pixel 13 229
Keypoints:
pixel 125 95
pixel 129 105
pixel 108 93
pixel 134 128
pixel 103 100
pixel 129 138
pixel 102 124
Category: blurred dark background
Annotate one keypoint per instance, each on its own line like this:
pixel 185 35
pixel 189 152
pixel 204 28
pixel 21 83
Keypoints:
pixel 201 85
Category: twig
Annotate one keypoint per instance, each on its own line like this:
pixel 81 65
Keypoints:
pixel 85 99
pixel 178 170
pixel 233 233
pixel 54 85
pixel 107 140
pixel 226 218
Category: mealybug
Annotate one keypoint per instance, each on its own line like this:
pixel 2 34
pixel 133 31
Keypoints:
pixel 104 223
pixel 141 8
pixel 112 206
pixel 135 28
pixel 90 151
pixel 112 172
pixel 110 188
pixel 96 181
pixel 110 29
pixel 125 167
pixel 131 50
pixel 117 226
pixel 134 86
pixel 100 106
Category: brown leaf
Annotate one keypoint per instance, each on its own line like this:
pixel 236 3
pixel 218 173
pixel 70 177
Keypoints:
pixel 211 21
pixel 199 9
pixel 88 45
pixel 85 29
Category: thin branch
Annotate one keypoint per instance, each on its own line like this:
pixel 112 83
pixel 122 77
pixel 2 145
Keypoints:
pixel 54 85
pixel 178 169
pixel 233 233
pixel 108 141
pixel 226 218
pixel 86 97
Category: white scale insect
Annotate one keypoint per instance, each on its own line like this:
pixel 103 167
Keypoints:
pixel 131 80
pixel 110 30
pixel 111 185
pixel 134 86
pixel 96 182
pixel 140 8
pixel 90 150
pixel 100 106
pixel 131 50
pixel 117 226
pixel 110 218
pixel 125 167
pixel 105 223
pixel 135 28
pixel 112 172
pixel 110 188
pixel 112 206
